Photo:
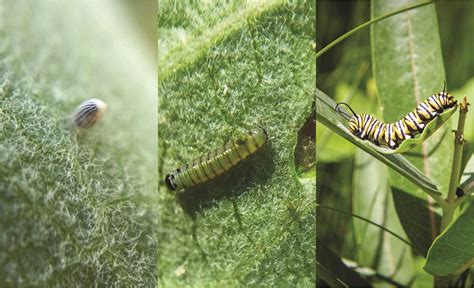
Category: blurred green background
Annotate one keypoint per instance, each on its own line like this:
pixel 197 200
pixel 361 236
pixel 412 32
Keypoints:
pixel 345 73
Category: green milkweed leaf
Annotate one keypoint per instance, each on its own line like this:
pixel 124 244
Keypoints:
pixel 249 66
pixel 372 199
pixel 76 211
pixel 408 67
pixel 453 251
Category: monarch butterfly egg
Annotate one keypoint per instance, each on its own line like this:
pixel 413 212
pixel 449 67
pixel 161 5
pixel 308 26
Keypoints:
pixel 88 113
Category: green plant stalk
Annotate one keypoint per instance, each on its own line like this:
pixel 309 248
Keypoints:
pixel 451 203
pixel 366 24
pixel 328 277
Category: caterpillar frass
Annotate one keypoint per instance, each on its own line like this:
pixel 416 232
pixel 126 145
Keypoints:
pixel 391 135
pixel 89 113
pixel 216 162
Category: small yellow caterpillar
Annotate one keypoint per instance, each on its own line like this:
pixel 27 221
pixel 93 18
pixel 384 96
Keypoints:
pixel 216 162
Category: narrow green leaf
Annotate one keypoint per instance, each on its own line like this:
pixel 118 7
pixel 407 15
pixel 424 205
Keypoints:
pixel 408 67
pixel 326 115
pixel 453 251
pixel 372 200
pixel 328 277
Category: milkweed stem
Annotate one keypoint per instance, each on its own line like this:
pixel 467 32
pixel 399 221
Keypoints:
pixel 451 201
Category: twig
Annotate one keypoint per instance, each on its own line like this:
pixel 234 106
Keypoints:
pixel 451 203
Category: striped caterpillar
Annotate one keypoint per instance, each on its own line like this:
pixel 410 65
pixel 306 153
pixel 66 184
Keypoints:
pixel 391 135
pixel 216 162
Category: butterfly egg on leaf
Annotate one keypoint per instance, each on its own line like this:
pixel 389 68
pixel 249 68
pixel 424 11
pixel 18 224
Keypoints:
pixel 391 135
pixel 89 113
pixel 218 161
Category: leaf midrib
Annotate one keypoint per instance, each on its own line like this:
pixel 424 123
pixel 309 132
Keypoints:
pixel 184 54
pixel 424 147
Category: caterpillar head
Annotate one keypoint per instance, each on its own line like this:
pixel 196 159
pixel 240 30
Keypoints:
pixel 447 100
pixel 169 180
pixel 450 100
pixel 354 125
pixel 354 121
pixel 260 135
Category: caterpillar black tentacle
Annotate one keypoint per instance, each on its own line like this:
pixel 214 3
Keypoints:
pixel 391 135
pixel 216 162
pixel 347 116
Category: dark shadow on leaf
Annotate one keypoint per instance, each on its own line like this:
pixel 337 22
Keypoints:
pixel 238 217
pixel 196 240
pixel 305 150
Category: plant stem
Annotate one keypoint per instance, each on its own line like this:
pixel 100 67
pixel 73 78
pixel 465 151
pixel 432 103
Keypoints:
pixel 362 26
pixel 451 203
pixel 448 214
pixel 328 277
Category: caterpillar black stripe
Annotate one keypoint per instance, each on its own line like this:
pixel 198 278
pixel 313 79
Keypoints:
pixel 216 162
pixel 391 135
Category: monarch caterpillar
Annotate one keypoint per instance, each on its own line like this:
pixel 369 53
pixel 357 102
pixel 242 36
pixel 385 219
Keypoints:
pixel 391 135
pixel 216 162
pixel 88 113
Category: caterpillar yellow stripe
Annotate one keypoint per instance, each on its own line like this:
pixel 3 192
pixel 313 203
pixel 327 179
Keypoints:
pixel 391 135
pixel 218 161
